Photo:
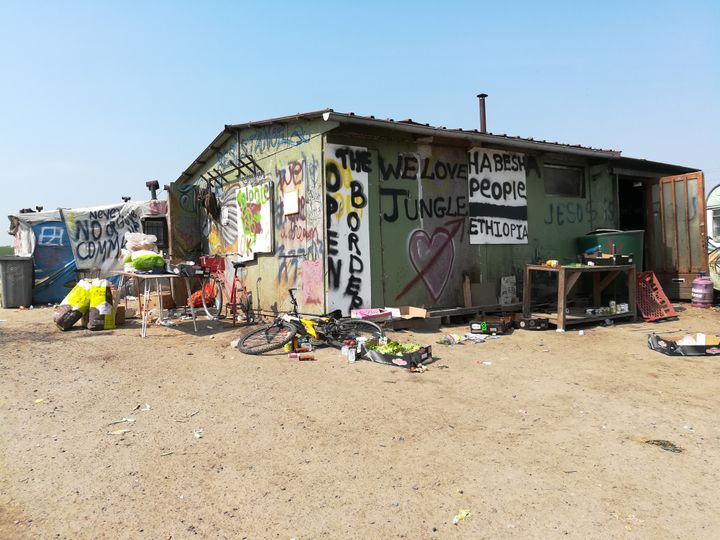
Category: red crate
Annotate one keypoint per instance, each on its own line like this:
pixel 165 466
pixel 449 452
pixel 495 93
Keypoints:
pixel 651 299
pixel 213 264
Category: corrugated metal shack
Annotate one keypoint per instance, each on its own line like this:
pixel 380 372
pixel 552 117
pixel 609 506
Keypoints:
pixel 357 211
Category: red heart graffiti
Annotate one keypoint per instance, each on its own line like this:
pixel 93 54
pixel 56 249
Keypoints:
pixel 432 257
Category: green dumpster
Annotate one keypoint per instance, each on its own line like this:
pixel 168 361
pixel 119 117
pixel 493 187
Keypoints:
pixel 625 242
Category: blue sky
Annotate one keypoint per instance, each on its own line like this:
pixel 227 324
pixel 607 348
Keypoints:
pixel 97 98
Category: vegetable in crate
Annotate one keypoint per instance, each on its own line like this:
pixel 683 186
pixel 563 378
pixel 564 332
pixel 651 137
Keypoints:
pixel 394 348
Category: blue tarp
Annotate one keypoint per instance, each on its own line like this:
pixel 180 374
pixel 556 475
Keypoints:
pixel 55 267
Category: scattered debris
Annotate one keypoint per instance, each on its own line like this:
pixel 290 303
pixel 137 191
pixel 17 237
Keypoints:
pixel 420 368
pixel 198 433
pixel 119 432
pixel 460 516
pixel 699 344
pixel 666 445
pixel 40 401
pixel 122 421
pixel 146 407
pixel 450 339
pixel 476 338
pixel 166 454
pixel 487 363
pixel 581 332
pixel 193 413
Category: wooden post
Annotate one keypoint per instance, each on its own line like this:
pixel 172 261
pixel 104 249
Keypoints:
pixel 527 286
pixel 467 292
pixel 561 298
pixel 632 293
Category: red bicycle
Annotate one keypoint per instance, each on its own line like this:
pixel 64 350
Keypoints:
pixel 216 287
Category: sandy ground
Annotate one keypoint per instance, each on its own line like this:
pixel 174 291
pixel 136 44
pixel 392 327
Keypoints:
pixel 546 441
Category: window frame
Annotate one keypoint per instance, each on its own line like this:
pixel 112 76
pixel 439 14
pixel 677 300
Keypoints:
pixel 567 167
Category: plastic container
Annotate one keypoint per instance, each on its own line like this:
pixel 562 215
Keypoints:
pixel 16 281
pixel 702 291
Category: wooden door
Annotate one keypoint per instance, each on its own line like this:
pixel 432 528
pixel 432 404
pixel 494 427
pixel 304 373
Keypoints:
pixel 676 232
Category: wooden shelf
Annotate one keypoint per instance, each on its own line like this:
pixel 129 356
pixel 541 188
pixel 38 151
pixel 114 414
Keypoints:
pixel 574 318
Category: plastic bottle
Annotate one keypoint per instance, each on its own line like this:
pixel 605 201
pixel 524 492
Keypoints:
pixel 702 291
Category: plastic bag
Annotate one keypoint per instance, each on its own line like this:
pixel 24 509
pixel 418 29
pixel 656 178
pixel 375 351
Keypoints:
pixel 102 315
pixel 146 260
pixel 73 306
pixel 135 241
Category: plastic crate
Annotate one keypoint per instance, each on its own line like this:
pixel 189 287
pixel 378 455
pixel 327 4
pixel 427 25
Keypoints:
pixel 213 264
pixel 651 299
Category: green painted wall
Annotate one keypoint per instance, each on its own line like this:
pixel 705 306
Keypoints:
pixel 416 215
pixel 421 259
pixel 291 157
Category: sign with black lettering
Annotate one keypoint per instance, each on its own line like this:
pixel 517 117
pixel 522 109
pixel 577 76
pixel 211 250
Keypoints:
pixel 98 234
pixel 497 197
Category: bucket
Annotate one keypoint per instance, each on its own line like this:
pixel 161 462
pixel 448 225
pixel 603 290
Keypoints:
pixel 702 291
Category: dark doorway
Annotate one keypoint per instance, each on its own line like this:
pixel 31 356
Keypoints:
pixel 631 200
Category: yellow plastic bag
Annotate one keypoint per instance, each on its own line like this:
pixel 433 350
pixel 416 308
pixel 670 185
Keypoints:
pixel 102 314
pixel 73 306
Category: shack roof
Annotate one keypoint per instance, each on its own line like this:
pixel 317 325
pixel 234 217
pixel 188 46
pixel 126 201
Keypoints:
pixel 410 126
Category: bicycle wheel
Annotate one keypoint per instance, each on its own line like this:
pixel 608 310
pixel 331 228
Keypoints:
pixel 211 295
pixel 353 329
pixel 267 337
pixel 241 308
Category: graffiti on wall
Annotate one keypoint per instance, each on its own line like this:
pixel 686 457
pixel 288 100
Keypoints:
pixel 299 243
pixel 346 183
pixel 255 221
pixel 432 255
pixel 184 230
pixel 561 213
pixel 291 223
pixel 498 198
pixel 271 138
pixel 434 179
pixel 97 234
pixel 221 230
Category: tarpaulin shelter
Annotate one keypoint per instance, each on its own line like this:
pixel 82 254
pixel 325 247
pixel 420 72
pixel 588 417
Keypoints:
pixel 87 241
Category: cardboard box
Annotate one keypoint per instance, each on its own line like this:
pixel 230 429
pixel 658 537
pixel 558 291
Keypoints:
pixel 691 345
pixel 407 312
pixel 120 315
pixel 167 301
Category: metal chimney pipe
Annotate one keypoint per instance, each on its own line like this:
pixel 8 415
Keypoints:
pixel 483 119
pixel 153 186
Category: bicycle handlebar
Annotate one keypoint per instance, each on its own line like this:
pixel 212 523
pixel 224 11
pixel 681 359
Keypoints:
pixel 293 301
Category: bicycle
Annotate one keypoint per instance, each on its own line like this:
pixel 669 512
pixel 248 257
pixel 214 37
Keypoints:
pixel 331 329
pixel 216 285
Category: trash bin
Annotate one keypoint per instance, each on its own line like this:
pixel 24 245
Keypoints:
pixel 16 281
pixel 625 242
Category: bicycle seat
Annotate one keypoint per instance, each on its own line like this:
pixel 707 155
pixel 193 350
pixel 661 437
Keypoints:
pixel 237 265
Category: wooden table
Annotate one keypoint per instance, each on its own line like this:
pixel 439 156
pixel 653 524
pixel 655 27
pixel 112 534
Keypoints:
pixel 568 277
pixel 147 280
